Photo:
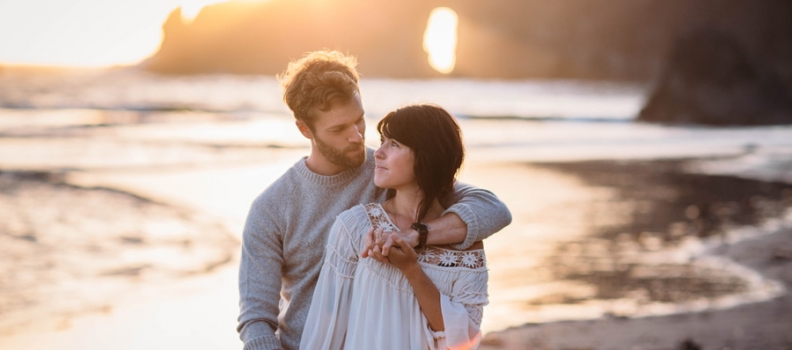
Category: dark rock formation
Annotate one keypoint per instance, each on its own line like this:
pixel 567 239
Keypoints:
pixel 608 39
pixel 262 37
pixel 505 39
pixel 710 79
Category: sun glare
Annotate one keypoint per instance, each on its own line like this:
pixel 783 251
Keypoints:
pixel 87 33
pixel 191 8
pixel 440 39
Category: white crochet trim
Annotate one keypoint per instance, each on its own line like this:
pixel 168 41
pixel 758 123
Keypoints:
pixel 378 218
pixel 469 259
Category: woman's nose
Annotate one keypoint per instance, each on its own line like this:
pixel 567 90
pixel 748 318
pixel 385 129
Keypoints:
pixel 378 153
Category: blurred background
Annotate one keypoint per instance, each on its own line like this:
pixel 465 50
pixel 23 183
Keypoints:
pixel 643 147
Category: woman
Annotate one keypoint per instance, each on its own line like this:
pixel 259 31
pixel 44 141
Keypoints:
pixel 425 298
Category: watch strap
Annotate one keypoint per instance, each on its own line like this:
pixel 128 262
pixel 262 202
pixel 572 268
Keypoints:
pixel 423 233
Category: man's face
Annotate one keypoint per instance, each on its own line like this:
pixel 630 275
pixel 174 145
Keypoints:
pixel 339 133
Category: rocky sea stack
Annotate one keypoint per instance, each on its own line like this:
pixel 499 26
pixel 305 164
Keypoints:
pixel 710 79
pixel 621 40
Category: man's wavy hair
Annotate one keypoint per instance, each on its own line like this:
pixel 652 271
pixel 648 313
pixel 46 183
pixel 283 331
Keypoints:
pixel 319 79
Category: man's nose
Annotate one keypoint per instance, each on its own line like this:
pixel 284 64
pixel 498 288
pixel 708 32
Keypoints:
pixel 356 136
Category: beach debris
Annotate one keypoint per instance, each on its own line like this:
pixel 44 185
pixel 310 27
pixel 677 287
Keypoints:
pixel 783 253
pixel 689 344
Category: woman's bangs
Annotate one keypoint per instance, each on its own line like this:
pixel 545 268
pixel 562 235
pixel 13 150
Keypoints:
pixel 394 126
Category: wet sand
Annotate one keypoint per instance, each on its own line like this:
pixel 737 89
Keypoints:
pixel 762 326
pixel 125 235
pixel 568 217
pixel 662 206
pixel 70 251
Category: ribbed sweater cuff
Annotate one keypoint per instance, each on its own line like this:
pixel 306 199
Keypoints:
pixel 269 342
pixel 469 218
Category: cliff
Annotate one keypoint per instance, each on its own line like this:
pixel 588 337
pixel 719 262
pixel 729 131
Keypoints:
pixel 709 78
pixel 595 39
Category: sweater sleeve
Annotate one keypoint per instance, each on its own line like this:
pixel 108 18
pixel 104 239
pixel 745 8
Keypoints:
pixel 481 210
pixel 328 318
pixel 260 280
pixel 462 312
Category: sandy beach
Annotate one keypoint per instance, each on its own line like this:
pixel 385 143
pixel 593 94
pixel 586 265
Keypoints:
pixel 199 311
pixel 758 325
pixel 643 148
pixel 121 228
pixel 762 325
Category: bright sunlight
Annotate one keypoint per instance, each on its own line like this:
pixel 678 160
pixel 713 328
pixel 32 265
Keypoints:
pixel 191 8
pixel 440 39
pixel 87 33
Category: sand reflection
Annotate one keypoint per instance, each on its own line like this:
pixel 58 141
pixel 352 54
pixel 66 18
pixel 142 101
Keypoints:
pixel 624 239
pixel 108 209
pixel 68 251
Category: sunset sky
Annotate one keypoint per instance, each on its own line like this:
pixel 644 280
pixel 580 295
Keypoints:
pixel 85 32
pixel 98 33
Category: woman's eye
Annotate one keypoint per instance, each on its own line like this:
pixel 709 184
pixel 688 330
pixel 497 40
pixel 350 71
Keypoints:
pixel 394 144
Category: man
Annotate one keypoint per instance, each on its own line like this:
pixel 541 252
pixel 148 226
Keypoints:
pixel 284 235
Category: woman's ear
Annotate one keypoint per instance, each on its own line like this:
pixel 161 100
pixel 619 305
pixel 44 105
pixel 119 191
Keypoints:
pixel 304 129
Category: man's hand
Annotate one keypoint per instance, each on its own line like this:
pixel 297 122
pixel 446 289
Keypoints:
pixel 379 243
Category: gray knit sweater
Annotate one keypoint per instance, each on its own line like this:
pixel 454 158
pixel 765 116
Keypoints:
pixel 284 240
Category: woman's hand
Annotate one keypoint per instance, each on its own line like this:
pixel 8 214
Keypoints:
pixel 370 239
pixel 402 255
pixel 378 243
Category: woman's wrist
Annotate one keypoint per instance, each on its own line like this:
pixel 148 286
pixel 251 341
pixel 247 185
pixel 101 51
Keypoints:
pixel 412 270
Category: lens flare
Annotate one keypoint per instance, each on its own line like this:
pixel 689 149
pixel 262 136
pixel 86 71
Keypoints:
pixel 440 39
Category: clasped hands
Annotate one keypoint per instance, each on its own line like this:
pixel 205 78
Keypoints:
pixel 392 247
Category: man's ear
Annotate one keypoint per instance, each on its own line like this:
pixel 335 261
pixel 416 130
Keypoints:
pixel 304 129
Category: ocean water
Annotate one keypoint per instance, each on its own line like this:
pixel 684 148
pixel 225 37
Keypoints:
pixel 611 216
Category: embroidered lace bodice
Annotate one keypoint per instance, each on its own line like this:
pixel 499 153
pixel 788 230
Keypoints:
pixel 431 255
pixel 361 303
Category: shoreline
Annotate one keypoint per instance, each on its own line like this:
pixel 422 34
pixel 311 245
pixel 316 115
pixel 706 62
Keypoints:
pixel 759 325
pixel 171 189
pixel 633 239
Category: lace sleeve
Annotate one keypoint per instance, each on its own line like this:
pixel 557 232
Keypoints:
pixel 463 310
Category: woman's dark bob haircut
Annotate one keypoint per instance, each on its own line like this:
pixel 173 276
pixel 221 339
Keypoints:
pixel 435 139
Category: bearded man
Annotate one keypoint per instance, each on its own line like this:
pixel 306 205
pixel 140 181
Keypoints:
pixel 286 228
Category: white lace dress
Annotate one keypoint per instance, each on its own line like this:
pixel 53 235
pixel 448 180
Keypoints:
pixel 364 304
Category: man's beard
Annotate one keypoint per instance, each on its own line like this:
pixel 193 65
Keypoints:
pixel 342 157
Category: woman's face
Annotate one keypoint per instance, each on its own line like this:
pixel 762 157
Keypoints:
pixel 395 164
